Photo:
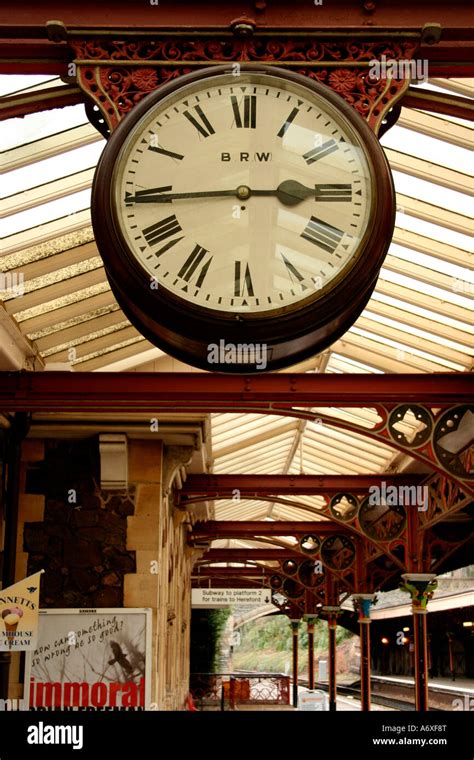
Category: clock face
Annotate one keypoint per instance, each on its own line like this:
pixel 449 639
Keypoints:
pixel 242 216
pixel 247 194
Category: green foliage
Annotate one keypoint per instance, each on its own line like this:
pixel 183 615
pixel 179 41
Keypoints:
pixel 206 632
pixel 266 643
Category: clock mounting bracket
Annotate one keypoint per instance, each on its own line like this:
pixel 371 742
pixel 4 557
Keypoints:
pixel 116 75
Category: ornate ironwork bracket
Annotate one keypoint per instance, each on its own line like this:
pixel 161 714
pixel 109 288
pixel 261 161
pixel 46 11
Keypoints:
pixel 443 437
pixel 116 74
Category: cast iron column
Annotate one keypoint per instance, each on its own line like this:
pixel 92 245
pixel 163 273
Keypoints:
pixel 450 636
pixel 310 654
pixel 420 587
pixel 332 615
pixel 364 602
pixel 295 626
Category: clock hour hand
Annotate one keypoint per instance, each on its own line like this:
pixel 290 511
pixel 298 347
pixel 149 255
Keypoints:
pixel 290 192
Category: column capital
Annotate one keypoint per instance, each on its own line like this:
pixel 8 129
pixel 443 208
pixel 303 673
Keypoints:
pixel 362 605
pixel 421 587
pixel 372 597
pixel 415 577
pixel 331 613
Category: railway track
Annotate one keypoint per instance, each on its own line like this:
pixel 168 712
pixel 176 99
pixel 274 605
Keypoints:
pixel 352 691
pixel 378 699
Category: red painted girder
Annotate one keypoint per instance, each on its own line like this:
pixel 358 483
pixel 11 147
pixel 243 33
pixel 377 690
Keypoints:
pixel 146 392
pixel 227 583
pixel 244 555
pixel 27 56
pixel 235 528
pixel 29 16
pixel 21 59
pixel 451 69
pixel 452 105
pixel 223 486
pixel 233 572
pixel 16 106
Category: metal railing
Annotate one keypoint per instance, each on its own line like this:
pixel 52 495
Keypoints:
pixel 217 689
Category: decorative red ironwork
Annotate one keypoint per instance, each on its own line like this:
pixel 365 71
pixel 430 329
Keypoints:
pixel 117 74
pixel 230 49
pixel 261 688
pixel 382 526
pixel 445 497
pixel 379 523
pixel 212 689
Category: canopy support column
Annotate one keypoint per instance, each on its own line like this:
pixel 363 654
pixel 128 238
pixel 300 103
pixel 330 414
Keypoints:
pixel 420 587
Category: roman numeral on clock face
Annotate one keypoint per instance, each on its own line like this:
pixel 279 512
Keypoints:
pixel 289 120
pixel 242 283
pixel 321 151
pixel 199 120
pixel 164 152
pixel 249 116
pixel 190 266
pixel 293 272
pixel 322 234
pixel 333 193
pixel 162 230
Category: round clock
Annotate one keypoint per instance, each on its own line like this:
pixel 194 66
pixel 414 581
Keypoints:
pixel 243 214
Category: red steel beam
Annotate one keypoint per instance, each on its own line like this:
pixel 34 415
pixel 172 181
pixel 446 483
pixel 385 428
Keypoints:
pixel 436 102
pixel 30 56
pixel 25 45
pixel 148 392
pixel 245 555
pixel 233 572
pixel 29 17
pixel 27 56
pixel 251 486
pixel 57 97
pixel 227 583
pixel 235 528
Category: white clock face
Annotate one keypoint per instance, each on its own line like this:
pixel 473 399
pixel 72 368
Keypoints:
pixel 243 193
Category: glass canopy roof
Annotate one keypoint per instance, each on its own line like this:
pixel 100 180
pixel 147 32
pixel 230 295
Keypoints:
pixel 419 319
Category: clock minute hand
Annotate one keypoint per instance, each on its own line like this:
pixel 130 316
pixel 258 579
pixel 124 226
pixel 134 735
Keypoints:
pixel 150 196
pixel 290 192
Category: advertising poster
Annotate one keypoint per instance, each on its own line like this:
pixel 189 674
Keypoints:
pixel 19 607
pixel 90 660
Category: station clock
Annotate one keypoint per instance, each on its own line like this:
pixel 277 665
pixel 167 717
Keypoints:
pixel 243 214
